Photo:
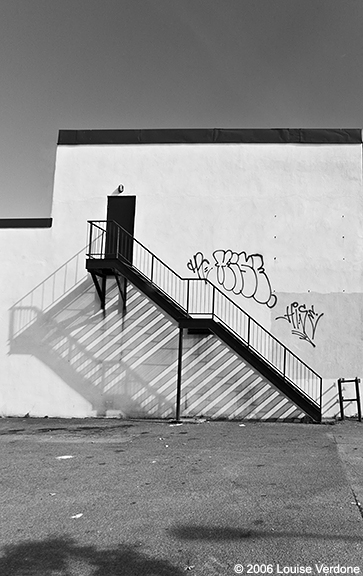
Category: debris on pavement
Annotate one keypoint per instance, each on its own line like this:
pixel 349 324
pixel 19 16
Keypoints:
pixel 77 516
pixel 241 425
pixel 66 457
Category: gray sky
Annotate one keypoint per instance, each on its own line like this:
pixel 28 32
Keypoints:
pixel 93 64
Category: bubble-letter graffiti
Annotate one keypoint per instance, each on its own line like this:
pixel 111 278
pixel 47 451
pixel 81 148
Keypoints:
pixel 236 272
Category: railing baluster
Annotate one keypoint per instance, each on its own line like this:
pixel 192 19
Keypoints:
pixel 284 371
pixel 152 268
pixel 90 239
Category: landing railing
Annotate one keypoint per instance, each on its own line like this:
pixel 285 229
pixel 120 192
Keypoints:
pixel 200 298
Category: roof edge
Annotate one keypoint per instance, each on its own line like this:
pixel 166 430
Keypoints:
pixel 212 136
pixel 26 222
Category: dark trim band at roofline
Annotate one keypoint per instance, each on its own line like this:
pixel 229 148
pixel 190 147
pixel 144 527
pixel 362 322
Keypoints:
pixel 26 222
pixel 212 136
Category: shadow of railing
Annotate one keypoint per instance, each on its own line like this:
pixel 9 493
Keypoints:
pixel 60 323
pixel 64 281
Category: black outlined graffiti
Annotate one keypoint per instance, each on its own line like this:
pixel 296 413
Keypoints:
pixel 242 274
pixel 238 273
pixel 303 321
pixel 200 265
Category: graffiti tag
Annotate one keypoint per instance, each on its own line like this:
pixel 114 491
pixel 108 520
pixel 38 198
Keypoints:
pixel 237 272
pixel 200 265
pixel 303 321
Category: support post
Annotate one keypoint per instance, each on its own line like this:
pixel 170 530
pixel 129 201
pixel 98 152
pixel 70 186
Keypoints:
pixel 122 290
pixel 357 382
pixel 340 398
pixel 179 377
pixel 103 302
pixel 101 290
pixel 104 278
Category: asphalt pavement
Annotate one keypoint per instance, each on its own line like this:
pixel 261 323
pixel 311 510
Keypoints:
pixel 103 497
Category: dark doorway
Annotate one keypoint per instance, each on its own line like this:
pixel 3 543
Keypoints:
pixel 121 209
pixel 119 239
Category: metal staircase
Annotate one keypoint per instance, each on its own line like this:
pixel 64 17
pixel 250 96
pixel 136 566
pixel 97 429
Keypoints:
pixel 198 305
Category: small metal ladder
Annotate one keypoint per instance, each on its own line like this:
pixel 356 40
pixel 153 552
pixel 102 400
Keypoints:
pixel 341 381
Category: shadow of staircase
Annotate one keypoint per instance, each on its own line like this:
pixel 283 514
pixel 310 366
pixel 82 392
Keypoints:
pixel 107 360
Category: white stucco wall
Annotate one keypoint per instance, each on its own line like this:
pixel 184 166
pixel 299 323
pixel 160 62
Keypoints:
pixel 298 206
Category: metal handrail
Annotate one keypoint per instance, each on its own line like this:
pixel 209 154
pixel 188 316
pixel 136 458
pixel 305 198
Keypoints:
pixel 248 341
pixel 93 223
pixel 264 329
pixel 113 240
